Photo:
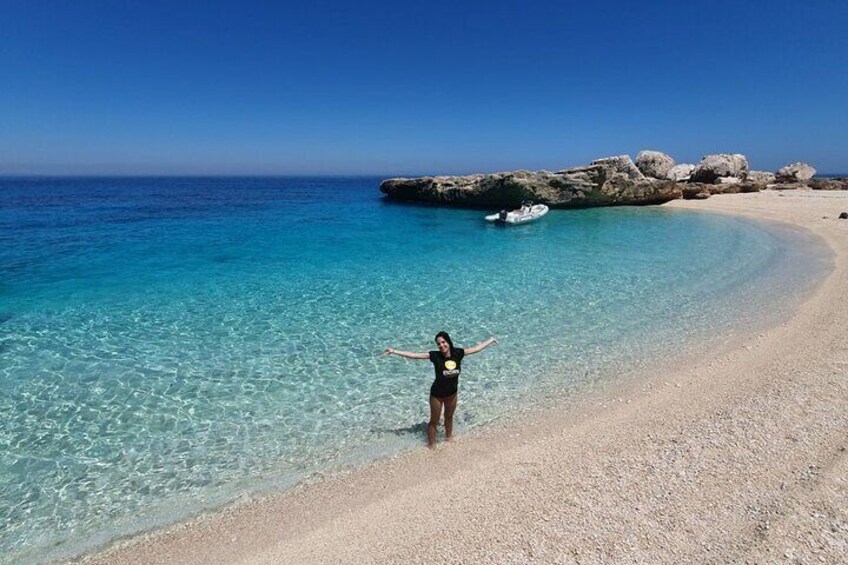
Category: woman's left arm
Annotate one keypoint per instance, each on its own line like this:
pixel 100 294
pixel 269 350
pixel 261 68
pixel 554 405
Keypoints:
pixel 481 346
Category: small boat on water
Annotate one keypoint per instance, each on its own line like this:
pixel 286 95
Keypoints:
pixel 527 213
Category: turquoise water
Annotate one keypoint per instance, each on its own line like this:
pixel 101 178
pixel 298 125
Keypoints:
pixel 166 344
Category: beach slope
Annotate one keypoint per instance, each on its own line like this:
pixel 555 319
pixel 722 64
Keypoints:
pixel 740 456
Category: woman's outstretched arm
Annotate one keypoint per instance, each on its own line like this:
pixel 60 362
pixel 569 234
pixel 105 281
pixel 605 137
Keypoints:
pixel 407 354
pixel 481 346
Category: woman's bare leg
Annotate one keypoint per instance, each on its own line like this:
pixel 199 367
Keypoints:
pixel 435 415
pixel 450 408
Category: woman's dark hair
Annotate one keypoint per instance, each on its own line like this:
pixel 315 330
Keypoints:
pixel 446 337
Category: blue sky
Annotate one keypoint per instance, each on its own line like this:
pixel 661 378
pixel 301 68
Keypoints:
pixel 374 87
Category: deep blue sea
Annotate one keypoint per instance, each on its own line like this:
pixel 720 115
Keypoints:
pixel 167 344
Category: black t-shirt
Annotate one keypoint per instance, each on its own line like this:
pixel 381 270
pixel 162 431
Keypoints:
pixel 447 372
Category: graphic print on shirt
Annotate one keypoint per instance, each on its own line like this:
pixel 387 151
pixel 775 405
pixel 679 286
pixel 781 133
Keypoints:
pixel 447 368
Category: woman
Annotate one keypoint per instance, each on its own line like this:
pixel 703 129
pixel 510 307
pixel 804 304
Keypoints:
pixel 447 361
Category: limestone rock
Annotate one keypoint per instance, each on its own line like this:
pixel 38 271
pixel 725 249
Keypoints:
pixel 621 164
pixel 746 186
pixel 654 164
pixel 713 167
pixel 606 182
pixel 795 172
pixel 728 180
pixel 788 186
pixel 680 173
pixel 691 191
pixel 725 185
pixel 760 177
pixel 829 184
pixel 611 181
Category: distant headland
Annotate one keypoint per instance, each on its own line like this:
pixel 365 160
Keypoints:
pixel 612 181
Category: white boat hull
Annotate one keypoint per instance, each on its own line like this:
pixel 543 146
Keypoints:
pixel 516 217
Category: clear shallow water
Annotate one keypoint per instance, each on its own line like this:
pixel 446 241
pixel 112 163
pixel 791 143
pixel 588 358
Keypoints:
pixel 166 344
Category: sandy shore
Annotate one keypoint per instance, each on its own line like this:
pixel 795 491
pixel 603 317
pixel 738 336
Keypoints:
pixel 738 458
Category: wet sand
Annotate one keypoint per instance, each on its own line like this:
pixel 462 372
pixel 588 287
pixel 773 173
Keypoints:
pixel 739 456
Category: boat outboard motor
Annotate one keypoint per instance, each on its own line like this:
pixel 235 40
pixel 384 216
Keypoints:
pixel 502 215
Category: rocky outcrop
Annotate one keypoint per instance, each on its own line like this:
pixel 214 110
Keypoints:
pixel 621 164
pixel 728 180
pixel 697 191
pixel 788 186
pixel 609 181
pixel 713 167
pixel 606 182
pixel 654 164
pixel 762 178
pixel 828 184
pixel 680 173
pixel 795 172
pixel 700 190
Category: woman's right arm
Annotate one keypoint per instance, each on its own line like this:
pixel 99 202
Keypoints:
pixel 407 354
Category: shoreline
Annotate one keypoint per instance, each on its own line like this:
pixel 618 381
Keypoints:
pixel 693 464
